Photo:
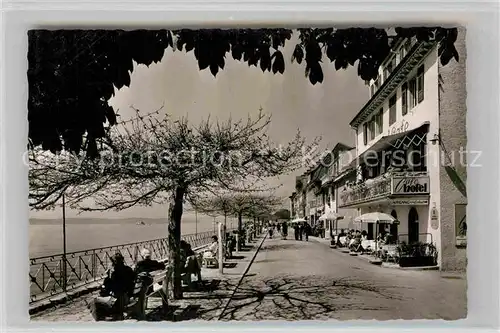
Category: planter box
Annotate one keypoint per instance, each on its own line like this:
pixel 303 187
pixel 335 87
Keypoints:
pixel 416 261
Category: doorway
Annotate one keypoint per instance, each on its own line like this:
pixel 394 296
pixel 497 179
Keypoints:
pixel 370 235
pixel 394 227
pixel 412 226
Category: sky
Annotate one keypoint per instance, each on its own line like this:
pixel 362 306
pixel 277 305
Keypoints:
pixel 238 91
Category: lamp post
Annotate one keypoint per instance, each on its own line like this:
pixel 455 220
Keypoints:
pixel 64 264
pixel 196 221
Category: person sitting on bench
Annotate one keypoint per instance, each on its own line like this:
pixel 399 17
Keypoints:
pixel 189 262
pixel 211 251
pixel 148 265
pixel 117 287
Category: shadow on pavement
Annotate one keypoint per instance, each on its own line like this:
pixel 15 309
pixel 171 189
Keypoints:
pixel 292 298
pixel 236 257
pixel 281 247
pixel 201 303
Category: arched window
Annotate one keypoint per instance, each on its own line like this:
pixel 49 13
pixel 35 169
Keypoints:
pixel 394 227
pixel 413 226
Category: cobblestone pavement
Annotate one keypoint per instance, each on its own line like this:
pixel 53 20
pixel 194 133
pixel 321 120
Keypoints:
pixel 294 280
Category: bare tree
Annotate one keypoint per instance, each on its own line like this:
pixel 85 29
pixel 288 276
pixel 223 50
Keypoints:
pixel 238 204
pixel 150 160
pixel 214 205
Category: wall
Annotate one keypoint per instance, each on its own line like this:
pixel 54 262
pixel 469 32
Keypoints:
pixel 452 114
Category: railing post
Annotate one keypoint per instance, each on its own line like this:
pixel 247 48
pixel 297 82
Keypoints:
pixel 64 273
pixel 93 264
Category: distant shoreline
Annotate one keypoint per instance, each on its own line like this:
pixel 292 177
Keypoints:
pixel 38 221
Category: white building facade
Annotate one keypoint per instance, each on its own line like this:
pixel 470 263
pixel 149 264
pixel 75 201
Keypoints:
pixel 401 162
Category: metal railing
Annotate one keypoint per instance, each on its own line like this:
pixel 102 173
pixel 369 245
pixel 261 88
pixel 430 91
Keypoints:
pixel 56 274
pixel 427 238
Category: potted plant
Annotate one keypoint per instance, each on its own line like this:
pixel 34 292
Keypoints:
pixel 417 254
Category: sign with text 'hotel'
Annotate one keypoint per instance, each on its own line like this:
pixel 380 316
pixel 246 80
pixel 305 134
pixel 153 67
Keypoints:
pixel 404 185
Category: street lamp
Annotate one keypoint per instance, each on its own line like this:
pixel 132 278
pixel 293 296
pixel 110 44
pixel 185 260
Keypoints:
pixel 64 264
pixel 196 221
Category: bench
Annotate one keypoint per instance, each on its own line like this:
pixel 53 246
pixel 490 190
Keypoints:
pixel 158 287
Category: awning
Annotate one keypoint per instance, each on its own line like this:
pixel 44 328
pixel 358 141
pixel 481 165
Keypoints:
pixel 376 217
pixel 394 140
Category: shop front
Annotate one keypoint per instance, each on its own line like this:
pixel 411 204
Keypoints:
pixel 403 195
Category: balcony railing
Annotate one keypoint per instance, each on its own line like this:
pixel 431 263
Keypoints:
pixel 387 185
pixel 55 274
pixel 377 188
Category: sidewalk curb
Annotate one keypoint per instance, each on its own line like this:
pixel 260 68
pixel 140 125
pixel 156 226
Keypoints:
pixel 221 315
pixel 378 262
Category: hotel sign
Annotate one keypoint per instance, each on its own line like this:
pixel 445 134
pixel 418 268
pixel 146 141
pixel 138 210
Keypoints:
pixel 402 185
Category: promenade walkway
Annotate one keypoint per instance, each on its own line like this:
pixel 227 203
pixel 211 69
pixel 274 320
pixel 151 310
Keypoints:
pixel 299 280
pixel 196 305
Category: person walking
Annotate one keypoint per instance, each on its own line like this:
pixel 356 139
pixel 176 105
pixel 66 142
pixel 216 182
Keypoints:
pixel 307 230
pixel 284 229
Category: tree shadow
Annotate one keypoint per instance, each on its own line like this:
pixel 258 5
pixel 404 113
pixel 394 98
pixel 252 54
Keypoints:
pixel 311 298
pixel 230 264
pixel 280 247
pixel 233 257
pixel 201 303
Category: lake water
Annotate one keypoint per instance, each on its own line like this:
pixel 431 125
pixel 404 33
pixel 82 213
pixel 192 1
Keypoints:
pixel 46 238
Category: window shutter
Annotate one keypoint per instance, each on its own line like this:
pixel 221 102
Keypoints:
pixel 404 98
pixel 365 134
pixel 381 121
pixel 420 83
pixel 392 110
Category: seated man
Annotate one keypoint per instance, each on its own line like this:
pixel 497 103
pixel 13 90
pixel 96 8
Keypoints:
pixel 148 265
pixel 189 262
pixel 211 251
pixel 118 286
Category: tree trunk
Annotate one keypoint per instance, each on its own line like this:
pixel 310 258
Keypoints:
pixel 240 223
pixel 174 239
pixel 240 232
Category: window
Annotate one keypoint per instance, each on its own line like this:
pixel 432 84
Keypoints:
pixel 377 83
pixel 404 98
pixel 412 93
pixel 365 133
pixel 380 121
pixel 415 91
pixel 372 90
pixel 371 128
pixel 391 65
pixel 392 110
pixel 405 49
pixel 420 84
